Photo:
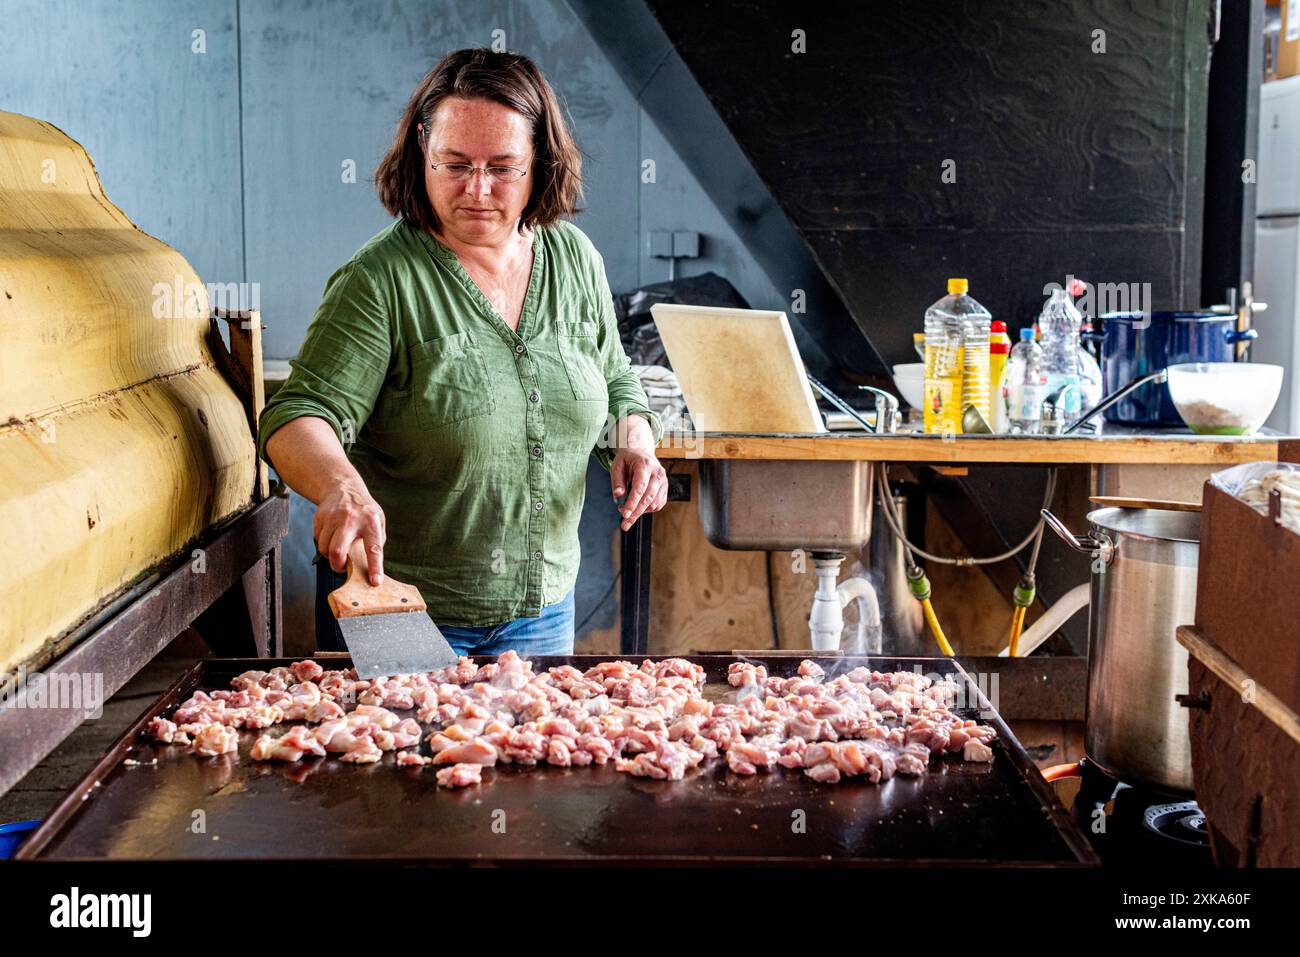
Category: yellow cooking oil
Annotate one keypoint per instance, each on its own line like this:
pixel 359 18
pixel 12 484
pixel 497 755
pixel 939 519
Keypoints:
pixel 944 371
pixel 956 359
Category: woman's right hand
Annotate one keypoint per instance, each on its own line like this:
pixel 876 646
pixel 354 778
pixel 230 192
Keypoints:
pixel 344 515
pixel 309 459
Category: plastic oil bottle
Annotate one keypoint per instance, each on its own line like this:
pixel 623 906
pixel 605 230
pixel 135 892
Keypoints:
pixel 956 359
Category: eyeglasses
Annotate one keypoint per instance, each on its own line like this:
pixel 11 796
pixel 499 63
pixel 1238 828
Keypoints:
pixel 463 171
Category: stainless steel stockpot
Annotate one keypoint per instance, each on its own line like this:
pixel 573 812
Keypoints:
pixel 1144 564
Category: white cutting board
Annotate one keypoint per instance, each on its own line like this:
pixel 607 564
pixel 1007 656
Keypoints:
pixel 738 368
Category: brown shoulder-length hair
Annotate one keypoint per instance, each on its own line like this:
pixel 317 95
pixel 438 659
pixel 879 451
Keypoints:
pixel 512 80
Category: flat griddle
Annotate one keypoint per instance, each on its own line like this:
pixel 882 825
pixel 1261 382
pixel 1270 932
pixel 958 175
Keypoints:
pixel 150 801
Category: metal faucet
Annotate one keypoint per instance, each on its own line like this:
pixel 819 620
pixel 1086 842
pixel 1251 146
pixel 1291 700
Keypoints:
pixel 886 409
pixel 1160 376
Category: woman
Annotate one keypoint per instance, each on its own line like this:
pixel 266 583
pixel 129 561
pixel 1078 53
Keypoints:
pixel 462 367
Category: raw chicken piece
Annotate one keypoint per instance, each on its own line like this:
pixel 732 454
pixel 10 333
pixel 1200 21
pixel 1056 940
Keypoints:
pixel 458 733
pixel 471 752
pixel 324 710
pixel 742 674
pixel 558 753
pixel 910 764
pixel 346 738
pixel 303 697
pixel 810 669
pixel 460 776
pixel 214 739
pixel 698 706
pixel 206 712
pixel 439 741
pixel 160 729
pixel 397 738
pixel 556 725
pixel 600 749
pixel 739 764
pixel 687 727
pixel 753 754
pixel 298 741
pixel 240 699
pixel 410 759
pixel 306 670
pixel 524 745
pixel 976 750
pixel 675 667
pixel 632 740
pixel 675 758
pixel 364 751
pixel 642 766
pixel 257 717
pixel 932 734
pixel 703 745
pixel 380 716
pixel 791 753
pixel 247 680
pixel 826 773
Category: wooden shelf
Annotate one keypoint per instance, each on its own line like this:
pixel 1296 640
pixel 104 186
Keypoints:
pixel 1111 449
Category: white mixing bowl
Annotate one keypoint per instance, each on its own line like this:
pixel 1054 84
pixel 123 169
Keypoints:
pixel 910 380
pixel 1224 398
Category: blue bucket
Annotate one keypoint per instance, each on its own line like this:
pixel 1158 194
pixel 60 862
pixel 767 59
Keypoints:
pixel 13 835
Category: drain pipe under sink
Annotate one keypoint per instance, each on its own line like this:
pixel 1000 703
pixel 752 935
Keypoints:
pixel 827 619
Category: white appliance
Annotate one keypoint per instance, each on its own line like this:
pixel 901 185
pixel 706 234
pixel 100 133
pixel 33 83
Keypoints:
pixel 1277 243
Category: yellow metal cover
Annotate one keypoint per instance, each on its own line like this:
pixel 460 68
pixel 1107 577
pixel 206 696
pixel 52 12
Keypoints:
pixel 120 441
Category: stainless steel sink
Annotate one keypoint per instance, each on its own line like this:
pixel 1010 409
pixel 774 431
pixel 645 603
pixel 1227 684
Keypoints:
pixel 774 506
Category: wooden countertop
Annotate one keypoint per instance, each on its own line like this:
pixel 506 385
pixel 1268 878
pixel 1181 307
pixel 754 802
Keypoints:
pixel 1114 447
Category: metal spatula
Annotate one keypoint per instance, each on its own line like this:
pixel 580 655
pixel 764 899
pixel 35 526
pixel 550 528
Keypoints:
pixel 387 628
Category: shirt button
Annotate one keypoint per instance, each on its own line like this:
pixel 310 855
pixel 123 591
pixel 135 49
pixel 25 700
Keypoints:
pixel 519 348
pixel 537 450
pixel 534 397
pixel 537 556
pixel 537 506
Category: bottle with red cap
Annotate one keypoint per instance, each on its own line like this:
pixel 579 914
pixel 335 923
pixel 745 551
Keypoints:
pixel 999 349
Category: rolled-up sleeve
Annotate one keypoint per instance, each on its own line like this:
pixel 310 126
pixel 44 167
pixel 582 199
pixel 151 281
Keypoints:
pixel 343 362
pixel 626 395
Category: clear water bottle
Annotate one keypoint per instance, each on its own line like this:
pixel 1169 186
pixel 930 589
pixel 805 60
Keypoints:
pixel 1090 381
pixel 1026 384
pixel 1060 323
pixel 956 359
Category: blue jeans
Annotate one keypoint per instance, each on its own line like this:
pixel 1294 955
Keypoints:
pixel 551 633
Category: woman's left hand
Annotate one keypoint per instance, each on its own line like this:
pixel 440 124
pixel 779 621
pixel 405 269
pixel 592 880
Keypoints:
pixel 636 471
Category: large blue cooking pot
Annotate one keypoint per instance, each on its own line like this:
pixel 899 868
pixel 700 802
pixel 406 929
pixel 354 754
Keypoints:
pixel 1134 344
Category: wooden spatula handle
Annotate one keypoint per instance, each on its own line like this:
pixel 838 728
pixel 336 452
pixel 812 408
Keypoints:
pixel 1115 501
pixel 357 596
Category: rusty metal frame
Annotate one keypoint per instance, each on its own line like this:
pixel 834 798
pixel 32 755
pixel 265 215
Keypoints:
pixel 232 598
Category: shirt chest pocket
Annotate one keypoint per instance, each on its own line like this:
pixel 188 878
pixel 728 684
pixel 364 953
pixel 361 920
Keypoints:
pixel 449 381
pixel 579 353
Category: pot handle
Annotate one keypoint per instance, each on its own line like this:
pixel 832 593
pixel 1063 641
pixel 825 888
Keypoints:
pixel 1083 544
pixel 1231 336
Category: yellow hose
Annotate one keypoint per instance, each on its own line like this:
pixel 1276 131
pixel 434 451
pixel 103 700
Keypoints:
pixel 1017 623
pixel 934 627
